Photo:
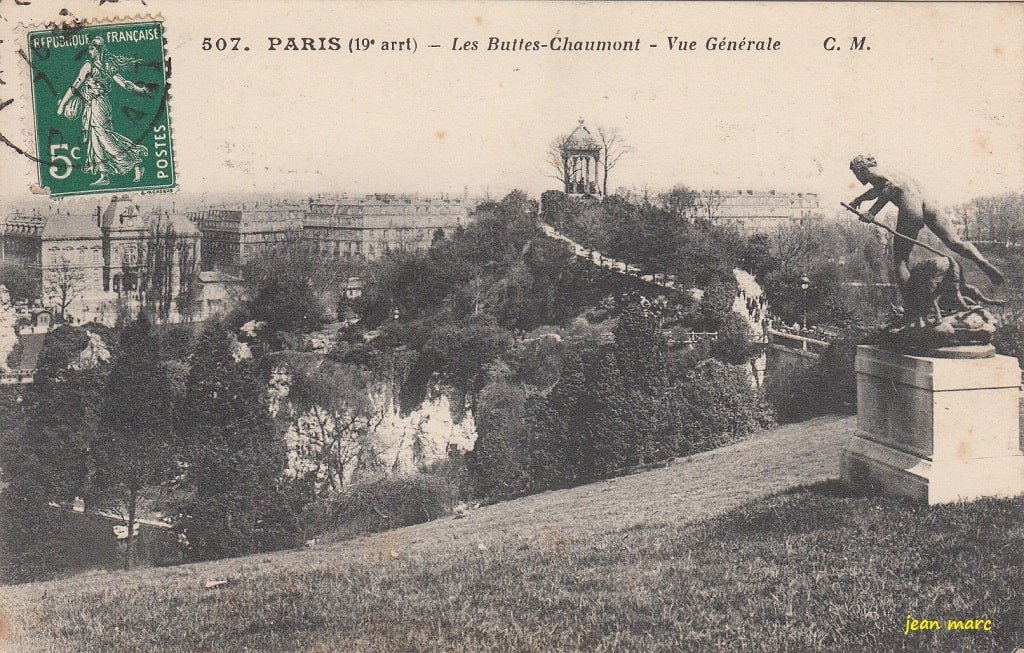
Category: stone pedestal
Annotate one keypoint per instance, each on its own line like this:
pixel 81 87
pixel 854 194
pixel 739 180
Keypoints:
pixel 936 430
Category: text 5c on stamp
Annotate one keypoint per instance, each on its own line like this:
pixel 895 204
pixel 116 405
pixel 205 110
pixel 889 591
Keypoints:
pixel 100 105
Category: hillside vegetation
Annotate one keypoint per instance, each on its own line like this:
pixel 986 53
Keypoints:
pixel 617 565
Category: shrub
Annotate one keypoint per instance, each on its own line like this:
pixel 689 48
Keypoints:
pixel 792 393
pixel 1009 337
pixel 735 343
pixel 454 471
pixel 716 405
pixel 497 464
pixel 14 356
pixel 389 502
pixel 827 386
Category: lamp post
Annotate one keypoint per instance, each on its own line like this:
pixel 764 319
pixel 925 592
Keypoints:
pixel 805 283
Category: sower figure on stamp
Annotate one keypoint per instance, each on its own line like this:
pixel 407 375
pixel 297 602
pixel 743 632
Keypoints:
pixel 915 212
pixel 106 151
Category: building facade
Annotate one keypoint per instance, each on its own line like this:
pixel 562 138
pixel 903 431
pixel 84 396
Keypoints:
pixel 91 266
pixel 233 236
pixel 370 227
pixel 19 238
pixel 347 228
pixel 753 212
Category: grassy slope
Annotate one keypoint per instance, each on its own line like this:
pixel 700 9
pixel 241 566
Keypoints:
pixel 620 565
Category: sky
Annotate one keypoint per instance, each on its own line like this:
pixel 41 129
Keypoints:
pixel 939 95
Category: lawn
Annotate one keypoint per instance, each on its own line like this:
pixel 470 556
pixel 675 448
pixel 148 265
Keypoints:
pixel 693 557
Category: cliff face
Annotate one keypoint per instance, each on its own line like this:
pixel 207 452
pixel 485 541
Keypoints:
pixel 378 434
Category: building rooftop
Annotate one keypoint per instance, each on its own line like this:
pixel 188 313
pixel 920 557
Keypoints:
pixel 77 226
pixel 173 222
pixel 23 219
pixel 121 213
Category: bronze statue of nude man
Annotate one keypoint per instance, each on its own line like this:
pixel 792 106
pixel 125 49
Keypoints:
pixel 915 212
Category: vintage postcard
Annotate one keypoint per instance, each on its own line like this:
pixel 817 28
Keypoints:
pixel 511 326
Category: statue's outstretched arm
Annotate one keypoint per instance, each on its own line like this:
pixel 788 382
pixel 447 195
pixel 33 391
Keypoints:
pixel 869 194
pixel 879 205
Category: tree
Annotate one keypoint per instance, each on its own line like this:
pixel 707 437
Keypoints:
pixel 640 351
pixel 498 462
pixel 735 343
pixel 235 456
pixel 796 247
pixel 168 270
pixel 136 450
pixel 715 405
pixel 287 304
pixel 18 282
pixel 26 521
pixel 565 167
pixel 716 305
pixel 613 148
pixel 63 283
pixel 335 422
pixel 994 218
pixel 607 412
pixel 46 438
pixel 823 302
pixel 290 284
pixel 707 204
pixel 62 412
pixel 457 356
pixel 298 259
pixel 756 257
pixel 680 201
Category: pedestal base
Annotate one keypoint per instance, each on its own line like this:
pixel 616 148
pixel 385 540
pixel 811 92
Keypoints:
pixel 936 430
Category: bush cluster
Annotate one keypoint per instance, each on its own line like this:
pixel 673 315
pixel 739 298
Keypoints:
pixel 614 408
pixel 827 386
pixel 387 502
pixel 1009 337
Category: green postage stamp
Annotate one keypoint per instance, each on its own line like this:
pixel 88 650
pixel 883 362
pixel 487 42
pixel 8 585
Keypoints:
pixel 100 106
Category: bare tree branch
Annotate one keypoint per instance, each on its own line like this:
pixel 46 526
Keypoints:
pixel 613 148
pixel 796 246
pixel 64 283
pixel 707 203
pixel 564 166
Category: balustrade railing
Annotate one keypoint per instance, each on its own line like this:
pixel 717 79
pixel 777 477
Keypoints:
pixel 794 341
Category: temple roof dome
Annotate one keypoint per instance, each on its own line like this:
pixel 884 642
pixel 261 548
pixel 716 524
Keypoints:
pixel 581 139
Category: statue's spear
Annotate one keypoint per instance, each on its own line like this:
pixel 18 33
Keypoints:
pixel 893 231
